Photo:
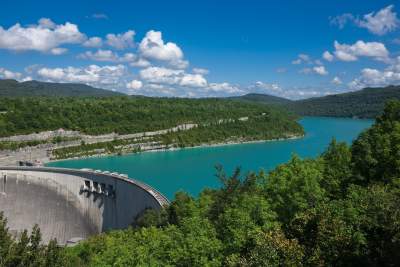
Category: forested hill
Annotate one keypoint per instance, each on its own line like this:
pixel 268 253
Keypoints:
pixel 13 88
pixel 366 103
pixel 262 98
pixel 124 115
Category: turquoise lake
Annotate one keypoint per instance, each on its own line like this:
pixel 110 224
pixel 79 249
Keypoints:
pixel 193 169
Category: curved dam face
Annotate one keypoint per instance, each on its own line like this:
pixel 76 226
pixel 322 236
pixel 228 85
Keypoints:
pixel 69 204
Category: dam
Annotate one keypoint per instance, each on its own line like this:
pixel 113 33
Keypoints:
pixel 69 204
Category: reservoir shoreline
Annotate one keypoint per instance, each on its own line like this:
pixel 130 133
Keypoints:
pixel 166 148
pixel 192 170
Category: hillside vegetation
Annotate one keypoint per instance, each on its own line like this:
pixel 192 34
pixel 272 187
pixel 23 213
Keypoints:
pixel 262 98
pixel 262 127
pixel 366 103
pixel 13 88
pixel 340 209
pixel 121 114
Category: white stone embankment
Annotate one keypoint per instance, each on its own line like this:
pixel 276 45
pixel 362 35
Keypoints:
pixel 40 152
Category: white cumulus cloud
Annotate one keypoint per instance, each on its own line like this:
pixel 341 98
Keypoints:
pixel 184 84
pixel 320 70
pixel 201 71
pixel 336 81
pixel 93 74
pixel 43 37
pixel 371 77
pixel 47 23
pixel 153 47
pixel 121 41
pixel 302 58
pixel 193 80
pixel 58 51
pixel 108 56
pixel 262 87
pixel 100 55
pixel 288 92
pixel 161 75
pixel 341 20
pixel 381 22
pixel 140 63
pixel 225 88
pixel 7 74
pixel 134 85
pixel 93 42
pixel 375 50
pixel 327 56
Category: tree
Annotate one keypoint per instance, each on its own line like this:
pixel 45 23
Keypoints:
pixel 376 152
pixel 337 169
pixel 245 217
pixel 379 219
pixel 151 217
pixel 273 249
pixel 329 234
pixel 28 249
pixel 5 239
pixel 183 206
pixel 295 186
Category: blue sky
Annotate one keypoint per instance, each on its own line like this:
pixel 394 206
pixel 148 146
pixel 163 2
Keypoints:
pixel 204 48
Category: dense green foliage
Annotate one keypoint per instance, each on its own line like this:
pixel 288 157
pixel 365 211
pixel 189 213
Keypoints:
pixel 85 150
pixel 271 126
pixel 366 103
pixel 340 209
pixel 13 88
pixel 376 153
pixel 27 250
pixel 313 212
pixel 116 114
pixel 260 127
pixel 14 145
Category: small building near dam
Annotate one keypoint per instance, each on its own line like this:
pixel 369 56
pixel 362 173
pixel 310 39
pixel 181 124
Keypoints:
pixel 70 204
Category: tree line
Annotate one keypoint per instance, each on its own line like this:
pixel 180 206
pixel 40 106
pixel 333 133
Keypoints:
pixel 366 103
pixel 123 115
pixel 269 126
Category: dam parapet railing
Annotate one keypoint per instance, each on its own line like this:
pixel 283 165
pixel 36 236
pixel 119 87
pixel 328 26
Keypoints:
pixel 162 200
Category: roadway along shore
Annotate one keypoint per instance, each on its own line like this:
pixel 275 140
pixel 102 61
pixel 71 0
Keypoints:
pixel 163 148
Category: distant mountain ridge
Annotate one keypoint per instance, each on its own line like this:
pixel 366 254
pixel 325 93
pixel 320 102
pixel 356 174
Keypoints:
pixel 366 103
pixel 13 88
pixel 263 98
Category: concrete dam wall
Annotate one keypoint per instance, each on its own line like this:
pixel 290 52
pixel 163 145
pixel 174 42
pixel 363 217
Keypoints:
pixel 69 204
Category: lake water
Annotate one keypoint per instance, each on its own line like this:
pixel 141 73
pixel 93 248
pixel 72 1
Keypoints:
pixel 193 169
